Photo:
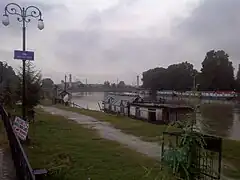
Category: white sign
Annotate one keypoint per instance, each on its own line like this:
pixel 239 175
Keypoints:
pixel 20 128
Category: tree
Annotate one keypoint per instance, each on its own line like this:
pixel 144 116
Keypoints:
pixel 113 85
pixel 154 79
pixel 217 72
pixel 8 84
pixel 180 76
pixel 33 85
pixel 106 84
pixel 176 77
pixel 47 83
pixel 121 84
pixel 47 88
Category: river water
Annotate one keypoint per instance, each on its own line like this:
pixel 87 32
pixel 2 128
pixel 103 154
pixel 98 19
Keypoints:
pixel 220 118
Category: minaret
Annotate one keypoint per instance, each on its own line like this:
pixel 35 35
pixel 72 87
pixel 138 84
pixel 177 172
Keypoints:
pixel 137 81
pixel 65 83
pixel 70 80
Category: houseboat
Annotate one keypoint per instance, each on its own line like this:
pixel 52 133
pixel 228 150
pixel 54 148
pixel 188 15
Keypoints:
pixel 135 107
pixel 215 95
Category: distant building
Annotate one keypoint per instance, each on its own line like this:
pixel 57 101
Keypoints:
pixel 77 84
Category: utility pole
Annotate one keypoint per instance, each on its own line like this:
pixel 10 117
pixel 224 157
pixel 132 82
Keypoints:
pixel 23 16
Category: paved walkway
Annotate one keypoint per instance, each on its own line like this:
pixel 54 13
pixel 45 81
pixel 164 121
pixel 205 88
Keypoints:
pixel 7 170
pixel 107 131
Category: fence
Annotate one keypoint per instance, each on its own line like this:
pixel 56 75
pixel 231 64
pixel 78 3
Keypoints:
pixel 207 159
pixel 22 166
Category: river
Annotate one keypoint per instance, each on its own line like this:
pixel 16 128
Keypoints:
pixel 220 118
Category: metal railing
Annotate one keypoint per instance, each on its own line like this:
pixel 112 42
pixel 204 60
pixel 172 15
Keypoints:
pixel 208 158
pixel 22 166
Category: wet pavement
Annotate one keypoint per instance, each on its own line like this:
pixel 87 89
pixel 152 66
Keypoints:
pixel 7 170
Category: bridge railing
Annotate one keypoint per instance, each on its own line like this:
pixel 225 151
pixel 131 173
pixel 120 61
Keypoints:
pixel 22 166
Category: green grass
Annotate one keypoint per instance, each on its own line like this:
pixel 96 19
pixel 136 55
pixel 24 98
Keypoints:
pixel 152 132
pixel 72 152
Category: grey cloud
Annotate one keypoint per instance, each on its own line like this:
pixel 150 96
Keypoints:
pixel 214 24
pixel 95 19
pixel 129 53
pixel 11 36
pixel 45 8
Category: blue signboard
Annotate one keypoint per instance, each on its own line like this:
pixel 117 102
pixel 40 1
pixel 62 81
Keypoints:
pixel 24 55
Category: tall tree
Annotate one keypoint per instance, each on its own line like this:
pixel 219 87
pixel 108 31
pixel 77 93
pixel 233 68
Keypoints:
pixel 47 88
pixel 47 83
pixel 121 84
pixel 181 76
pixel 175 77
pixel 8 84
pixel 217 72
pixel 33 85
pixel 106 84
pixel 154 79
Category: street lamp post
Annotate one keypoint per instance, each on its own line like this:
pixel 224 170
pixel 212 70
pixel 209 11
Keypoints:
pixel 24 16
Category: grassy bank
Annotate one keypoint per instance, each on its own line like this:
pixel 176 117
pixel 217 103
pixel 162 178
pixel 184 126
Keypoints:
pixel 152 132
pixel 70 151
pixel 147 131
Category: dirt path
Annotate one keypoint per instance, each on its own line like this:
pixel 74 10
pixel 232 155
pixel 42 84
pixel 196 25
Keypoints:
pixel 107 131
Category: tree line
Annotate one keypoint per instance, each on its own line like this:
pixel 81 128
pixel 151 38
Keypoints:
pixel 216 74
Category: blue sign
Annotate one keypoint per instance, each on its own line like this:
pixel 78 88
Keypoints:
pixel 24 55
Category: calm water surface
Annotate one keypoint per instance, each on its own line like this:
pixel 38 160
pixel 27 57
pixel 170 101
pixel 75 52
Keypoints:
pixel 221 118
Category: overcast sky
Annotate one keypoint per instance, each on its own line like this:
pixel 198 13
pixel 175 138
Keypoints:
pixel 119 39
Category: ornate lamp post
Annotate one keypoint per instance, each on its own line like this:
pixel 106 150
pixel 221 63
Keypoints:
pixel 24 16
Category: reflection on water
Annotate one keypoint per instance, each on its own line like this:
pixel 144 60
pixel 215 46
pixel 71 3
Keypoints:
pixel 88 100
pixel 220 118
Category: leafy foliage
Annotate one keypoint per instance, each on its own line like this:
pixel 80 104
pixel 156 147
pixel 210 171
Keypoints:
pixel 33 85
pixel 121 84
pixel 8 84
pixel 216 74
pixel 175 77
pixel 182 157
pixel 47 86
pixel 106 84
pixel 47 83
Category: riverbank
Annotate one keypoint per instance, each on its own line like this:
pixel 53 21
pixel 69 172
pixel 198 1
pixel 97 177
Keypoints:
pixel 70 151
pixel 153 133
